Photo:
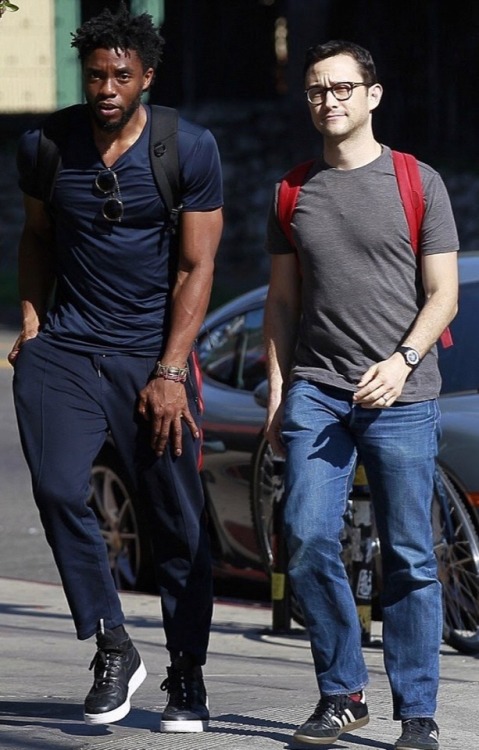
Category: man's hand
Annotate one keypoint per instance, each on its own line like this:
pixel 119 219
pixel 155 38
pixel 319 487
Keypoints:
pixel 24 336
pixel 164 404
pixel 382 384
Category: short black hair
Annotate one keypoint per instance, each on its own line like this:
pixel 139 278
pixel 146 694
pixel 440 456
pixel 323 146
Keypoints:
pixel 340 47
pixel 120 31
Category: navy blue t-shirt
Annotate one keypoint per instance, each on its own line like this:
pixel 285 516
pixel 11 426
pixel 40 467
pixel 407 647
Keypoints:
pixel 114 279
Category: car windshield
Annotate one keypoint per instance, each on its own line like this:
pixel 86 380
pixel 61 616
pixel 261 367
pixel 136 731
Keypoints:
pixel 459 364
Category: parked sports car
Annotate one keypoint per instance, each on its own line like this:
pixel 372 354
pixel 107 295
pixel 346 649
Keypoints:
pixel 240 478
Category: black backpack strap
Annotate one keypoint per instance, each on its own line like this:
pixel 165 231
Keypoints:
pixel 52 134
pixel 163 155
pixel 48 166
pixel 164 159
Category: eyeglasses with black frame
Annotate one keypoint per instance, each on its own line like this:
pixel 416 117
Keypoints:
pixel 342 91
pixel 107 182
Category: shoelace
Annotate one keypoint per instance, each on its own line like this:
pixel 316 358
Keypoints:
pixel 176 688
pixel 107 661
pixel 327 707
pixel 416 727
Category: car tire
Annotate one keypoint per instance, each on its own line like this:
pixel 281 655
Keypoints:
pixel 121 522
pixel 457 551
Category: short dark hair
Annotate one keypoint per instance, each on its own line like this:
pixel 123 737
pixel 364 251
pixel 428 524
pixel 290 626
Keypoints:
pixel 121 32
pixel 339 47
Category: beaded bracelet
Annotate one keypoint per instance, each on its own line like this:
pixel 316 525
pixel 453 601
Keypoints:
pixel 170 372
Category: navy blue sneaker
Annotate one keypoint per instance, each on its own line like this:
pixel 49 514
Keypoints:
pixel 418 734
pixel 334 715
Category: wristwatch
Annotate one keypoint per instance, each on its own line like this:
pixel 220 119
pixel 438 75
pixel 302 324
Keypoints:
pixel 411 356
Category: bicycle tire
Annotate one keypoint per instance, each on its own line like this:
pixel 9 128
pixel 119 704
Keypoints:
pixel 457 558
pixel 266 488
pixel 456 543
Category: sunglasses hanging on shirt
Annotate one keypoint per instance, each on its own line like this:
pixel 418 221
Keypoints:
pixel 107 183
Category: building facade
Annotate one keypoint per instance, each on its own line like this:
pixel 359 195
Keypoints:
pixel 39 71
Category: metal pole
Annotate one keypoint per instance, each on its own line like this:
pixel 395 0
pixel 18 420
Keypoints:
pixel 280 589
pixel 361 552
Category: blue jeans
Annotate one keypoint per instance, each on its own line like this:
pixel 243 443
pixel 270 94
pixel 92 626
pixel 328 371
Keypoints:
pixel 324 432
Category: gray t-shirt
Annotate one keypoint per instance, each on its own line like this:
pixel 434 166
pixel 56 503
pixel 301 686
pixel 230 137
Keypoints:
pixel 361 291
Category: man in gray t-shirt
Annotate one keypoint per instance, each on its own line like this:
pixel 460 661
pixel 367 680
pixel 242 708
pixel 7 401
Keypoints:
pixel 351 324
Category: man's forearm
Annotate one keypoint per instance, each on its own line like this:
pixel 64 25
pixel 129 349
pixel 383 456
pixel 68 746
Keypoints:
pixel 36 280
pixel 433 319
pixel 440 281
pixel 280 333
pixel 189 306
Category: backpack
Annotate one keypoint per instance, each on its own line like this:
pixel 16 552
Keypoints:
pixel 163 150
pixel 410 189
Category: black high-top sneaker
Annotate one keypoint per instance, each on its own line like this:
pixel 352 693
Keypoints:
pixel 187 706
pixel 119 671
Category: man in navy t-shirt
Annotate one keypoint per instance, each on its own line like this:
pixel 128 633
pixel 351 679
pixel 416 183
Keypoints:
pixel 113 353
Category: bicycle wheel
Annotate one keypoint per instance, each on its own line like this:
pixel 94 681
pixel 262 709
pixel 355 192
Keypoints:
pixel 267 490
pixel 457 552
pixel 266 495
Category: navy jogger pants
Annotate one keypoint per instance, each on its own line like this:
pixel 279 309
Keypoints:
pixel 66 403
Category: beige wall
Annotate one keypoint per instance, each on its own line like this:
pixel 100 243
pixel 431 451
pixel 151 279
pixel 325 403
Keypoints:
pixel 27 58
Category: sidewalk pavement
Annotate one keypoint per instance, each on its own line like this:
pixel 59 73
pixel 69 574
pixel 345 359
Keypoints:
pixel 261 685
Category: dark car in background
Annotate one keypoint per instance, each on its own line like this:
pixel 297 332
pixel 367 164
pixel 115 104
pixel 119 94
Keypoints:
pixel 240 477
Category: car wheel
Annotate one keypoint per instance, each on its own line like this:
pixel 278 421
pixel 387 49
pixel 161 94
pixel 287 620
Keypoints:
pixel 457 552
pixel 125 533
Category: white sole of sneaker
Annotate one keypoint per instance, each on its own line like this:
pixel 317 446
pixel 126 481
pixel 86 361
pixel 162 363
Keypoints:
pixel 183 726
pixel 119 713
pixel 307 740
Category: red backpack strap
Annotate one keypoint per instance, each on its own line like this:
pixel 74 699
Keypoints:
pixel 410 189
pixel 288 192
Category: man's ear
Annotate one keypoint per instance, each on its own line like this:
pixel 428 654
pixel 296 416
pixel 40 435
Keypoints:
pixel 148 76
pixel 375 95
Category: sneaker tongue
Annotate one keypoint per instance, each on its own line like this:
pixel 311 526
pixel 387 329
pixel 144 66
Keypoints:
pixel 109 641
pixel 356 697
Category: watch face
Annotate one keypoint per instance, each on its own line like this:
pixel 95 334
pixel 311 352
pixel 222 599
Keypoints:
pixel 412 357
